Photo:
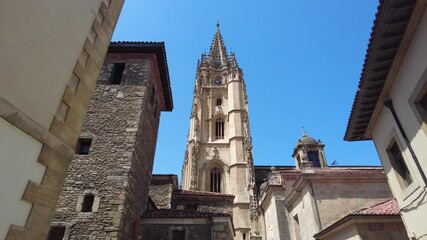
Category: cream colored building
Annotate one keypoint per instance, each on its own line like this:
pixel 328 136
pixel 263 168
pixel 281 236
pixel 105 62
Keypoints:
pixel 390 106
pixel 52 52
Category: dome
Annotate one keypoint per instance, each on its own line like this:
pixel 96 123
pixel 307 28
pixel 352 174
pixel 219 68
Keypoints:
pixel 306 140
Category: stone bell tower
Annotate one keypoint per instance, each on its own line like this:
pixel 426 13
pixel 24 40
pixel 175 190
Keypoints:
pixel 309 153
pixel 218 157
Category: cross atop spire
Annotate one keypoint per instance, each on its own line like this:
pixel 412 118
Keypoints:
pixel 218 54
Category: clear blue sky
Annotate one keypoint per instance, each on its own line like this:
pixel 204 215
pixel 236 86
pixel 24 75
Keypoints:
pixel 301 60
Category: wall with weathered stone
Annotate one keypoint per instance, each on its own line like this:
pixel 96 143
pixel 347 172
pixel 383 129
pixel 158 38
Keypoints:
pixel 203 204
pixel 164 231
pixel 382 231
pixel 161 195
pixel 335 199
pixel 122 123
pixel 348 233
pixel 331 199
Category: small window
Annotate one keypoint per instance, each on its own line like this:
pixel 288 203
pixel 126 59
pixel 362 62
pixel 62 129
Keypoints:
pixel 399 165
pixel 219 102
pixel 219 129
pixel 178 235
pixel 313 156
pixel 83 146
pixel 215 180
pixel 56 233
pixel 88 203
pixel 218 81
pixel 117 73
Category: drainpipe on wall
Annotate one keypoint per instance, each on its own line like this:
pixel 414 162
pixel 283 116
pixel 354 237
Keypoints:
pixel 389 104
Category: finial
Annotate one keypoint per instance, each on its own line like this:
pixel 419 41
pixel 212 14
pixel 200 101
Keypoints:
pixel 217 24
pixel 303 132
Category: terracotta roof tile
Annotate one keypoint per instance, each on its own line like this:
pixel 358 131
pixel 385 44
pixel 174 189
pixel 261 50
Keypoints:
pixel 201 193
pixel 333 171
pixel 388 207
pixel 169 213
pixel 392 16
pixel 328 171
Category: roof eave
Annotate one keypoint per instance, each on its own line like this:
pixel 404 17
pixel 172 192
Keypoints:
pixel 157 48
pixel 389 31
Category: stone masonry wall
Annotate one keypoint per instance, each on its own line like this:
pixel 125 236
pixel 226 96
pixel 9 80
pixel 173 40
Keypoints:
pixel 164 231
pixel 161 195
pixel 339 198
pixel 123 127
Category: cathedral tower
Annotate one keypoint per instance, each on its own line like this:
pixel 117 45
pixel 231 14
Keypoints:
pixel 218 157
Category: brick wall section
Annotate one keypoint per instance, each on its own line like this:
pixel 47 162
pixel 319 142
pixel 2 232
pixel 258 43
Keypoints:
pixel 123 129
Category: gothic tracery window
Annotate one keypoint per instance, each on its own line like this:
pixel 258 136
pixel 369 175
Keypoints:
pixel 215 180
pixel 219 129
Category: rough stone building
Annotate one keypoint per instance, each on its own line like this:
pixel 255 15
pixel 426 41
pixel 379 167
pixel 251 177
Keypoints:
pixel 52 52
pixel 107 184
pixel 186 214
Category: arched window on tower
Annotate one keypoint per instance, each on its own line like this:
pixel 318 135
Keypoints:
pixel 219 101
pixel 313 156
pixel 219 129
pixel 215 180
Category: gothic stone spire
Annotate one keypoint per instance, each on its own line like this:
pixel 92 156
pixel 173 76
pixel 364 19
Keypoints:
pixel 218 54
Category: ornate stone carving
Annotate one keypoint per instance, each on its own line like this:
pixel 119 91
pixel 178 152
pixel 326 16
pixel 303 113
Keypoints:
pixel 215 153
pixel 195 155
pixel 247 143
pixel 196 126
pixel 194 110
pixel 253 213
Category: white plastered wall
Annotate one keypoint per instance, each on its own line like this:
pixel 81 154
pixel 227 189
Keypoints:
pixel 406 84
pixel 40 43
pixel 18 155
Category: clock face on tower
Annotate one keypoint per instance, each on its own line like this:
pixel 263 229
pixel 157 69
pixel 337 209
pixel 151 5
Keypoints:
pixel 218 81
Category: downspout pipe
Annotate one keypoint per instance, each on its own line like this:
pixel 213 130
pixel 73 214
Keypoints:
pixel 389 104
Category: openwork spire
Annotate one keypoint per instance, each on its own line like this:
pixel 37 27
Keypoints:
pixel 218 54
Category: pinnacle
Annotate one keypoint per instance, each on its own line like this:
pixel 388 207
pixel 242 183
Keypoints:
pixel 218 53
pixel 303 132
